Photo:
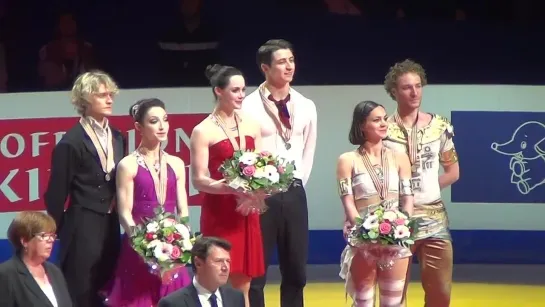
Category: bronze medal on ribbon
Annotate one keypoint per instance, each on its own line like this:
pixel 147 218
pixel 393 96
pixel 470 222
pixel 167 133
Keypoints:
pixel 381 185
pixel 412 140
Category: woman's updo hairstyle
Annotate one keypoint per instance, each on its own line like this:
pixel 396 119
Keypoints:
pixel 219 75
pixel 139 110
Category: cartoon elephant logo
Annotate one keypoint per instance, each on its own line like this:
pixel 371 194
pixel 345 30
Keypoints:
pixel 527 151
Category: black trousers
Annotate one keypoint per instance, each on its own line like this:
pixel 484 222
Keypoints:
pixel 285 226
pixel 89 248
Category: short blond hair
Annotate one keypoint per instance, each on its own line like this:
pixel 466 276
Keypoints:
pixel 27 224
pixel 87 84
pixel 399 69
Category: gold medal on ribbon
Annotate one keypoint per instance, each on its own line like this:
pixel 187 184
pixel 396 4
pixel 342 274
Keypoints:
pixel 106 155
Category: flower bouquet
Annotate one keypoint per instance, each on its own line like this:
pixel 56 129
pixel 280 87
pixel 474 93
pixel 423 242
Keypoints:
pixel 260 174
pixel 383 235
pixel 164 242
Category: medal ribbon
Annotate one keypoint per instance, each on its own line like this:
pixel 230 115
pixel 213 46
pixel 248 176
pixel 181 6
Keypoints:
pixel 381 185
pixel 271 109
pixel 159 179
pixel 412 140
pixel 106 155
pixel 241 145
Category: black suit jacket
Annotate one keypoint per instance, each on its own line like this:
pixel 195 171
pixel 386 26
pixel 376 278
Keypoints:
pixel 76 172
pixel 188 297
pixel 19 289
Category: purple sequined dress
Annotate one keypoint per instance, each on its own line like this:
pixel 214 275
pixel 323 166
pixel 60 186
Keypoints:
pixel 133 285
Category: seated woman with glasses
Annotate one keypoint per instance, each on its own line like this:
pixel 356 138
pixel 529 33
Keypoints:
pixel 28 279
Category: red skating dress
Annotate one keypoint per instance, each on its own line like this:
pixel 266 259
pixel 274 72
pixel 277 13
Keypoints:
pixel 219 218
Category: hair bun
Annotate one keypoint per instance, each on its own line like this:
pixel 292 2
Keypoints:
pixel 134 109
pixel 212 70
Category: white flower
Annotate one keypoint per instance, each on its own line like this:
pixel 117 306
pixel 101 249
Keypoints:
pixel 371 222
pixel 260 173
pixel 152 227
pixel 183 230
pixel 401 232
pixel 401 215
pixel 271 173
pixel 168 222
pixel 187 245
pixel 389 215
pixel 153 244
pixel 248 158
pixel 162 251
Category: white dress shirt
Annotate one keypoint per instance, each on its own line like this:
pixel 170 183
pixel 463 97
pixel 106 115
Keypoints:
pixel 101 132
pixel 304 130
pixel 204 295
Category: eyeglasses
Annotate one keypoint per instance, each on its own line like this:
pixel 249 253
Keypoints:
pixel 44 236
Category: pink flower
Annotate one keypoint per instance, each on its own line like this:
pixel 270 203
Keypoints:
pixel 400 221
pixel 175 253
pixel 249 171
pixel 281 169
pixel 149 236
pixel 169 238
pixel 264 154
pixel 384 228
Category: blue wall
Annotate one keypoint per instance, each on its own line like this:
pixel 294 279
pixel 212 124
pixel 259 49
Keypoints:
pixel 470 246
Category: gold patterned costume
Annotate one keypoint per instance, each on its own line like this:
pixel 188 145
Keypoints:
pixel 371 187
pixel 433 248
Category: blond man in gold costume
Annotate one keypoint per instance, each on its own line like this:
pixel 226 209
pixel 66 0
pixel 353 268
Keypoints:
pixel 427 138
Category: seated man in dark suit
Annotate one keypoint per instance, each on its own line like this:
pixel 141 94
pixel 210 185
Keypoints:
pixel 211 264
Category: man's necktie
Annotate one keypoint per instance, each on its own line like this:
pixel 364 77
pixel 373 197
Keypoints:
pixel 283 112
pixel 213 300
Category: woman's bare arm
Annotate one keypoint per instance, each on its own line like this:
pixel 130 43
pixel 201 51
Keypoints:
pixel 199 144
pixel 178 166
pixel 125 191
pixel 344 184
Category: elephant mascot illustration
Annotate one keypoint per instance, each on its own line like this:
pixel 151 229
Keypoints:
pixel 527 151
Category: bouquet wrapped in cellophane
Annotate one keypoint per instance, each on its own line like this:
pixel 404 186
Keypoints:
pixel 383 235
pixel 259 174
pixel 164 242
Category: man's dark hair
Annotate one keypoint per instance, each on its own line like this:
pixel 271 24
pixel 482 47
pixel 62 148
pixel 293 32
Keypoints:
pixel 202 247
pixel 264 53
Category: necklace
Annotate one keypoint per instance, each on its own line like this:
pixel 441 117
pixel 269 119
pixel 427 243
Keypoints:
pixel 218 120
pixel 158 173
pixel 381 184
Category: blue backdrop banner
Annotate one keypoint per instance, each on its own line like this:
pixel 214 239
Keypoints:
pixel 502 157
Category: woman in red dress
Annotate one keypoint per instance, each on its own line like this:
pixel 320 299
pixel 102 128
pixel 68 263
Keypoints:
pixel 212 142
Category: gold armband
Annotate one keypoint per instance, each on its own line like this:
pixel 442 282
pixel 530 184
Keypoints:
pixel 345 187
pixel 449 157
pixel 405 187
